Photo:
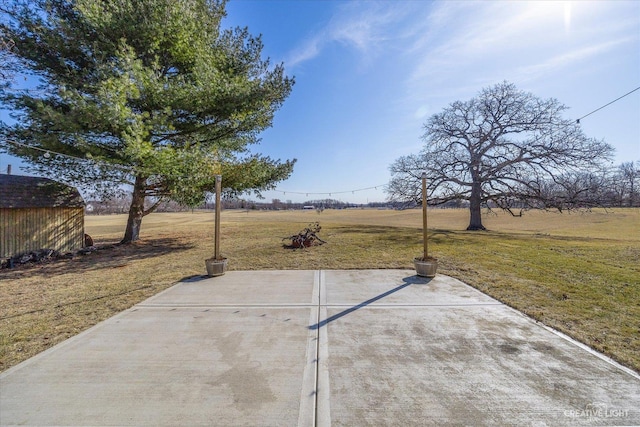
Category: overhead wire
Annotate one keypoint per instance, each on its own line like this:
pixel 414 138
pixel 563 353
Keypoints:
pixel 606 105
pixel 129 169
pixel 48 152
pixel 329 193
pixel 382 185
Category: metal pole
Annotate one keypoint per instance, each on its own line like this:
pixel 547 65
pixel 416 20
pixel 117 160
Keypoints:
pixel 424 212
pixel 216 254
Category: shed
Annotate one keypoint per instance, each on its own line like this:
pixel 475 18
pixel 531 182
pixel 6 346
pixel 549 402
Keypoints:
pixel 39 213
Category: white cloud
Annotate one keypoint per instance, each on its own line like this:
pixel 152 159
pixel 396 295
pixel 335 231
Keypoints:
pixel 363 26
pixel 462 46
pixel 566 59
pixel 421 112
pixel 308 51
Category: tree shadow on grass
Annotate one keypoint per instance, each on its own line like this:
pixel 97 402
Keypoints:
pixel 106 255
pixel 391 234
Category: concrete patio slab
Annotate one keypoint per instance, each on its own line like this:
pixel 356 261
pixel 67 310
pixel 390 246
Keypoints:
pixel 437 352
pixel 305 348
pixel 226 351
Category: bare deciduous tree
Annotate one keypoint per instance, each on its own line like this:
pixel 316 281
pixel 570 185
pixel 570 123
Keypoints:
pixel 501 147
pixel 629 182
pixel 568 191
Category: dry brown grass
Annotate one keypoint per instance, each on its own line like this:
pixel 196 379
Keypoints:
pixel 578 273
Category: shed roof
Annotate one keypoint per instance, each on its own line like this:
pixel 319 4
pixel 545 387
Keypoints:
pixel 31 192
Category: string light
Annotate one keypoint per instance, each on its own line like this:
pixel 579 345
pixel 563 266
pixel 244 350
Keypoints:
pixel 549 134
pixel 327 193
pixel 48 153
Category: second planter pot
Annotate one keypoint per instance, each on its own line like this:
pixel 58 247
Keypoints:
pixel 426 267
pixel 216 267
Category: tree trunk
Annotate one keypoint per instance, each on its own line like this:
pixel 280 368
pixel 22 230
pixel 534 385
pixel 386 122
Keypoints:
pixel 136 212
pixel 475 201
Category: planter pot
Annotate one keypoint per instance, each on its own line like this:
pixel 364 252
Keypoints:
pixel 426 268
pixel 216 267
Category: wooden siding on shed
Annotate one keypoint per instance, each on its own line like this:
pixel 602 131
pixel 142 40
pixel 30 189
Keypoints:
pixel 25 230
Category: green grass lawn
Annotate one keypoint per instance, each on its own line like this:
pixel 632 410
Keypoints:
pixel 578 273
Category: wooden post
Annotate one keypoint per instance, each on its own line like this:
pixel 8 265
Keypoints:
pixel 216 254
pixel 424 212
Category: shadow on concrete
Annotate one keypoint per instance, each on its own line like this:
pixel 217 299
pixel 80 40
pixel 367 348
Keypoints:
pixel 411 280
pixel 195 278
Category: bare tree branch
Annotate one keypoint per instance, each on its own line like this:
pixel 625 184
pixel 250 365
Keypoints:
pixel 504 147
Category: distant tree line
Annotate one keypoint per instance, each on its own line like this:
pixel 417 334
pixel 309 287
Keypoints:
pixel 120 205
pixel 607 188
pixel 615 187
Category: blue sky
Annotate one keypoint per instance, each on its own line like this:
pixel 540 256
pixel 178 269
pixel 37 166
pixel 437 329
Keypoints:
pixel 369 73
